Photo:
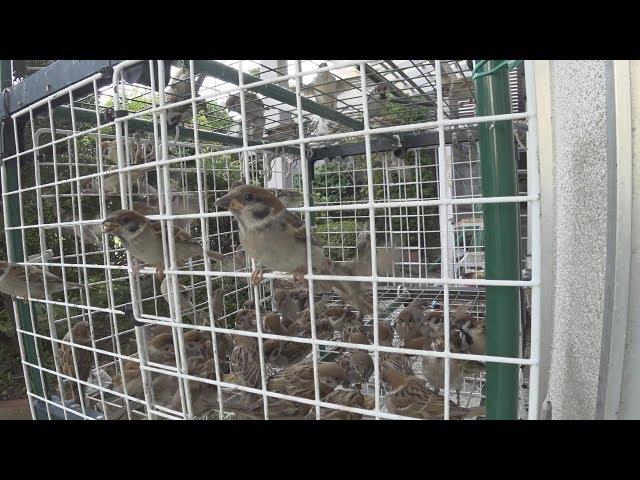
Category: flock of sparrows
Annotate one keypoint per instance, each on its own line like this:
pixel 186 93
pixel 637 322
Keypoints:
pixel 277 240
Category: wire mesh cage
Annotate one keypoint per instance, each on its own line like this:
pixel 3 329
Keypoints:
pixel 264 239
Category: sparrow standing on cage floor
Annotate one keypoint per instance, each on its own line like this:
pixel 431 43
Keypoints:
pixel 143 239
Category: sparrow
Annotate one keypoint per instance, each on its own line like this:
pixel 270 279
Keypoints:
pixel 244 363
pixel 80 334
pixel 88 234
pixel 235 260
pixel 186 304
pixel 143 239
pixel 347 398
pixel 290 303
pixel 160 349
pixel 282 353
pixel 218 303
pixel 13 281
pixel 297 380
pixel 254 112
pixel 410 323
pixel 409 396
pixel 433 367
pixel 378 100
pixel 203 395
pixel 324 329
pixel 473 274
pixel 111 181
pixel 271 234
pixel 246 319
pixel 358 364
pixel 325 88
pixel 224 344
pixel 177 208
pixel 474 332
pixel 339 316
pixel 178 89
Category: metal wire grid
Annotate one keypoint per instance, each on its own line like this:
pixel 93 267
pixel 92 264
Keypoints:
pixel 197 158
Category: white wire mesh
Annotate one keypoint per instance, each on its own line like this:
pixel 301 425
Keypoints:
pixel 139 361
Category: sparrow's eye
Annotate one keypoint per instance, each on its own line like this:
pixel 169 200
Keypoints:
pixel 249 197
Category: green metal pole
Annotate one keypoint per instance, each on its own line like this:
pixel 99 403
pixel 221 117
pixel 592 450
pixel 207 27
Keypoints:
pixel 15 236
pixel 501 239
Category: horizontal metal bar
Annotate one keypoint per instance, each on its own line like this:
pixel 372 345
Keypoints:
pixel 54 77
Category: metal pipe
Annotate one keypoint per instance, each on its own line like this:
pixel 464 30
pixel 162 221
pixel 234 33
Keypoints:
pixel 14 241
pixel 502 253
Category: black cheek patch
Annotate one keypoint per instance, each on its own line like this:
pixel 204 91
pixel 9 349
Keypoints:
pixel 261 213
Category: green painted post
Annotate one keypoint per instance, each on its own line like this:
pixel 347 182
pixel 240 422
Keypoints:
pixel 15 236
pixel 501 239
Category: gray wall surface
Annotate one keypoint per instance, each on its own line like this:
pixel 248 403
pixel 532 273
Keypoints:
pixel 579 133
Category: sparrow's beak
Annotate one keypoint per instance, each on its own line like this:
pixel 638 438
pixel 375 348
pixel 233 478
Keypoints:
pixel 230 204
pixel 109 225
pixel 223 202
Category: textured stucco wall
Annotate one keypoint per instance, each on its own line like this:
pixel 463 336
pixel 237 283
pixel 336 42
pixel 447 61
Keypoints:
pixel 630 394
pixel 579 132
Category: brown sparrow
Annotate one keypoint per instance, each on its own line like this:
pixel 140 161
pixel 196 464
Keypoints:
pixel 143 239
pixel 409 396
pixel 160 349
pixel 474 332
pixel 178 89
pixel 282 353
pixel 80 334
pixel 410 323
pixel 348 398
pixel 254 112
pixel 358 364
pixel 433 367
pixel 186 304
pixel 271 234
pixel 354 332
pixel 111 181
pixel 245 362
pixel 324 329
pixel 325 88
pixel 13 281
pixel 246 320
pixel 289 303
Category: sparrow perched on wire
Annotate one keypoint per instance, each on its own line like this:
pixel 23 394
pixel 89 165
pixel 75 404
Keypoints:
pixel 325 88
pixel 178 89
pixel 186 304
pixel 203 395
pixel 345 397
pixel 254 112
pixel 271 234
pixel 13 281
pixel 80 334
pixel 111 181
pixel 377 101
pixel 87 234
pixel 143 239
pixel 409 396
pixel 339 316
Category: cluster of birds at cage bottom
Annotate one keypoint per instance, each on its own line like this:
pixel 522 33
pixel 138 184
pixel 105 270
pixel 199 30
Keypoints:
pixel 277 240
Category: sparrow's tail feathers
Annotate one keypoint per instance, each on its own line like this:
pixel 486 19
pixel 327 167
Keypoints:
pixel 215 255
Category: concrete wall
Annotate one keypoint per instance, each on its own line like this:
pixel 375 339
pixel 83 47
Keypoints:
pixel 579 136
